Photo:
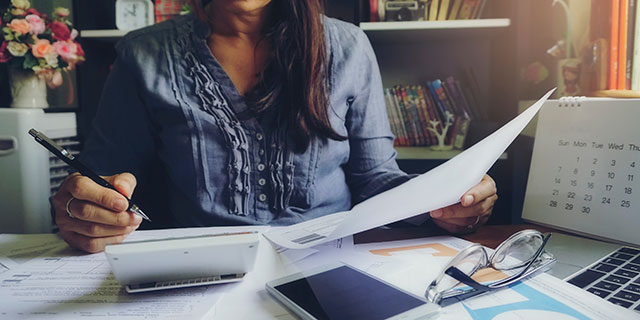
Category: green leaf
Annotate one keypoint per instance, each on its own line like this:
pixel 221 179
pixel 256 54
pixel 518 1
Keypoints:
pixel 29 61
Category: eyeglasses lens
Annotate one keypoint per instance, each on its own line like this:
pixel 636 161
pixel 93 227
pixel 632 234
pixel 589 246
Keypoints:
pixel 517 253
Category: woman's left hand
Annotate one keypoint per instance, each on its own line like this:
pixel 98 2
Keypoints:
pixel 473 210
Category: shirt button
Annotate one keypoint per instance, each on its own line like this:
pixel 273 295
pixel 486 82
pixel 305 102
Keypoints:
pixel 261 167
pixel 259 136
pixel 262 182
pixel 262 197
pixel 261 152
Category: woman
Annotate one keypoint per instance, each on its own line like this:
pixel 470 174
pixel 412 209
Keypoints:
pixel 248 112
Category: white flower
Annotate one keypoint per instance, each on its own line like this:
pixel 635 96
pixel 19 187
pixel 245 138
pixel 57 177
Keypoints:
pixel 21 4
pixel 62 12
pixel 17 49
pixel 52 59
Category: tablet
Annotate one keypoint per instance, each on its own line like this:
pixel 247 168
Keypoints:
pixel 341 292
pixel 183 262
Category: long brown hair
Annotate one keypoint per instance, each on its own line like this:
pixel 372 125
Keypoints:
pixel 296 78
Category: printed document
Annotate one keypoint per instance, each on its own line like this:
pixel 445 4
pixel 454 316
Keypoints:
pixel 440 187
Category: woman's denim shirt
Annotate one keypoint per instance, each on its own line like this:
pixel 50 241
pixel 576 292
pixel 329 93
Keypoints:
pixel 170 115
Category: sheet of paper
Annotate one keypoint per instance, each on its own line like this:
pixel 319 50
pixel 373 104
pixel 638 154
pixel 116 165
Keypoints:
pixel 17 249
pixel 435 189
pixel 249 299
pixel 66 284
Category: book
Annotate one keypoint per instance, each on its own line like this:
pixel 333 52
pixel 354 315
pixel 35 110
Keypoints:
pixel 456 96
pixel 426 115
pixel 475 14
pixel 433 10
pixel 467 8
pixel 471 109
pixel 392 117
pixel 597 73
pixel 481 6
pixel 453 14
pixel 631 26
pixel 613 45
pixel 472 92
pixel 463 120
pixel 422 114
pixel 404 130
pixel 446 114
pixel 443 10
pixel 412 134
pixel 622 44
pixel 413 114
pixel 373 11
pixel 635 72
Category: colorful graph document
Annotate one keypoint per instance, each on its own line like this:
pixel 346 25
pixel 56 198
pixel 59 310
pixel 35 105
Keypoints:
pixel 440 187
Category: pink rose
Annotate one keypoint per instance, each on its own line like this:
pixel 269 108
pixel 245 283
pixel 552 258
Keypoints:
pixel 67 50
pixel 74 34
pixel 5 55
pixel 21 26
pixel 41 48
pixel 60 31
pixel 79 50
pixel 37 24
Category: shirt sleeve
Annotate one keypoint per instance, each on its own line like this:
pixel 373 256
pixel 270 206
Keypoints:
pixel 372 166
pixel 120 139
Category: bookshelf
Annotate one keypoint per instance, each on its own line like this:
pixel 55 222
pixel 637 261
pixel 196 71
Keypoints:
pixel 415 52
pixel 103 34
pixel 425 153
pixel 398 43
pixel 399 31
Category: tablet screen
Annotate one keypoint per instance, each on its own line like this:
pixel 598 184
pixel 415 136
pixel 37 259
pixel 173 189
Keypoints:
pixel 345 293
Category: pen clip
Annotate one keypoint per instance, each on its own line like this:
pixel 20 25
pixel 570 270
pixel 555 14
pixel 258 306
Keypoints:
pixel 50 144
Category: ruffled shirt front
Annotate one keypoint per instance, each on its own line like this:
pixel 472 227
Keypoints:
pixel 170 115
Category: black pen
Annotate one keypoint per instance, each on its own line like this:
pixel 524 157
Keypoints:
pixel 75 163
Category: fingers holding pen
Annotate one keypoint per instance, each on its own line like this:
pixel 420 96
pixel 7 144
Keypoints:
pixel 85 200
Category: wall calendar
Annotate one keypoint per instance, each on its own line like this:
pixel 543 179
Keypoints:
pixel 585 168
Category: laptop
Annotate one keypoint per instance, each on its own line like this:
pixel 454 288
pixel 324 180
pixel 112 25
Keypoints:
pixel 582 179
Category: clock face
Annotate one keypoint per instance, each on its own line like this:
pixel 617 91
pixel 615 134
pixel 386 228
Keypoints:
pixel 133 14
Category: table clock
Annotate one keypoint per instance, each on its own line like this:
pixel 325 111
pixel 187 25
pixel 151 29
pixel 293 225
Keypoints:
pixel 134 14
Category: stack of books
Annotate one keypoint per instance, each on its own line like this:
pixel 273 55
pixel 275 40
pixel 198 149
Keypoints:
pixel 614 34
pixel 384 10
pixel 437 113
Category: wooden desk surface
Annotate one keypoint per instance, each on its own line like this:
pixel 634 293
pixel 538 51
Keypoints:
pixel 490 236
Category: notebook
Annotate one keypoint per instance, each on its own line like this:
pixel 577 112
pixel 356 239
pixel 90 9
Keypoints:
pixel 582 179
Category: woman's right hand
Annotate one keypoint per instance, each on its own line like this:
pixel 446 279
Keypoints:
pixel 90 216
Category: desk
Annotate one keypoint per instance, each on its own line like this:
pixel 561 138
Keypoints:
pixel 572 252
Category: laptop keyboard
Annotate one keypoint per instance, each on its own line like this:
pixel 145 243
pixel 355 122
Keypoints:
pixel 615 278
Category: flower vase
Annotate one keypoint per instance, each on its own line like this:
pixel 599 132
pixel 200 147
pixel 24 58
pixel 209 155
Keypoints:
pixel 28 90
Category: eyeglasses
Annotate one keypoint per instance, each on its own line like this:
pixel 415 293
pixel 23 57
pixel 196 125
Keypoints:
pixel 520 256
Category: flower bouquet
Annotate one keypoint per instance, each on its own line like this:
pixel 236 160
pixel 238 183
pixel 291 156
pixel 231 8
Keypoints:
pixel 34 44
